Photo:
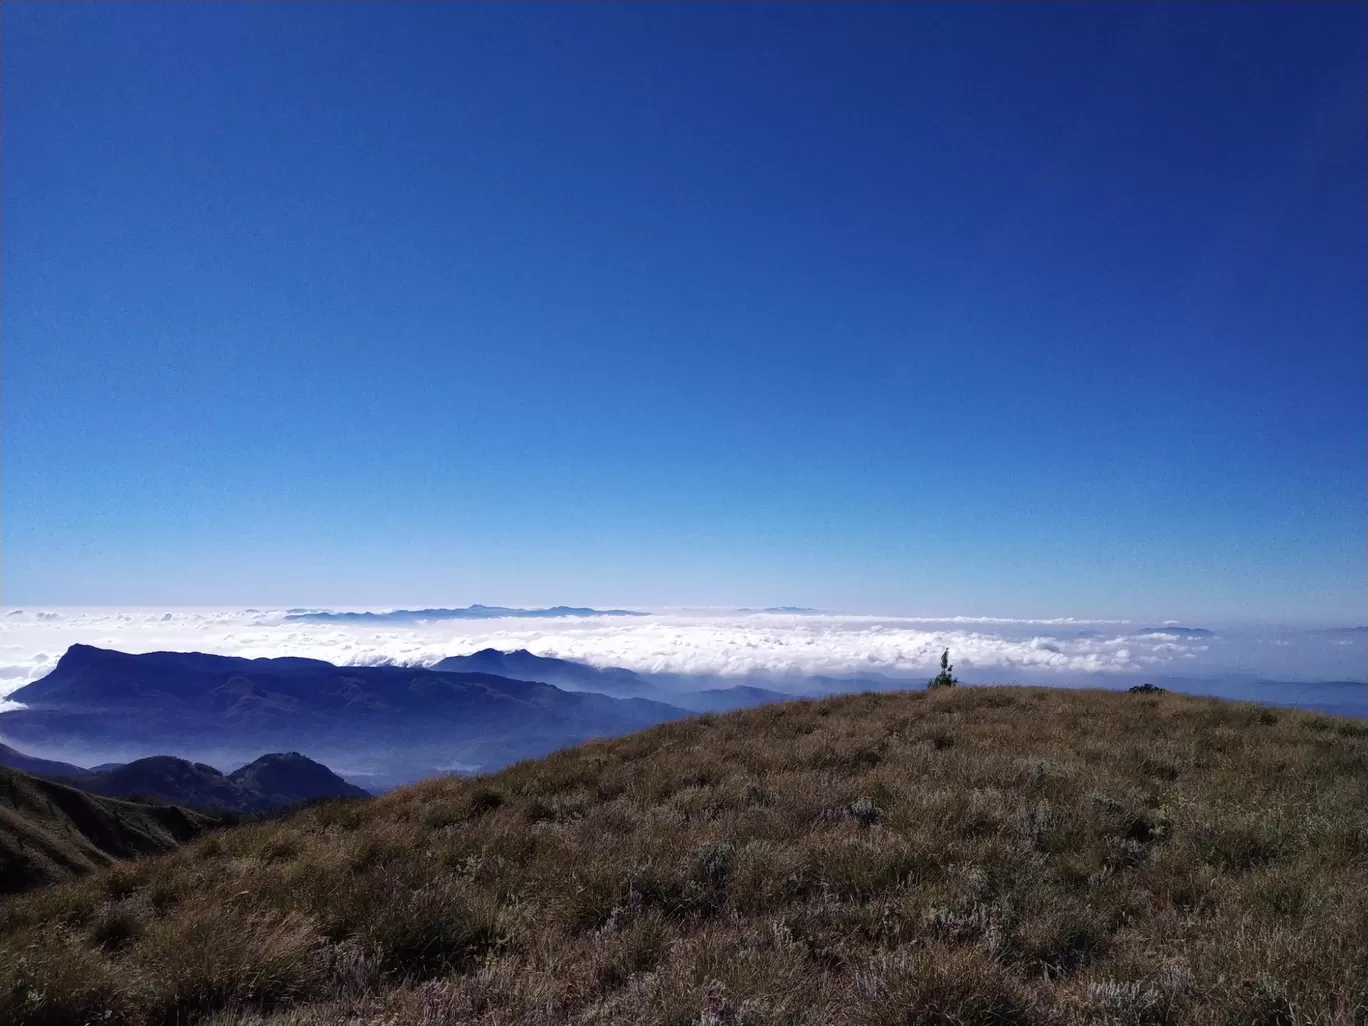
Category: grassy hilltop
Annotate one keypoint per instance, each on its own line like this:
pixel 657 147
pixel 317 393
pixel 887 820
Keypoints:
pixel 967 856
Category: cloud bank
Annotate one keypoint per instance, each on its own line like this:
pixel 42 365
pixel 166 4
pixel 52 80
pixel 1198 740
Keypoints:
pixel 725 642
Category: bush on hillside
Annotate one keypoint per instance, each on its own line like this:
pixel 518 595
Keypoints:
pixel 946 677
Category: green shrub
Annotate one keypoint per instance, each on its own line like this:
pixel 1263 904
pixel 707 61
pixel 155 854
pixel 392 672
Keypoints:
pixel 946 677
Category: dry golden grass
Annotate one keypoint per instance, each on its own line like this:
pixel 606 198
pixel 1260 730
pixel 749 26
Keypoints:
pixel 968 856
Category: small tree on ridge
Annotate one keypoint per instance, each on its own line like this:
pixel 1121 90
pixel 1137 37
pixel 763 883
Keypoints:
pixel 946 677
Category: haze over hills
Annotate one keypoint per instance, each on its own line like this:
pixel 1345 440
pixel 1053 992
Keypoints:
pixel 15 759
pixel 563 673
pixel 271 781
pixel 383 725
pixel 385 720
pixel 1177 632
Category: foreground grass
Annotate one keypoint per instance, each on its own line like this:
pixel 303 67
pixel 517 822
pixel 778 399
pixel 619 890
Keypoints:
pixel 971 856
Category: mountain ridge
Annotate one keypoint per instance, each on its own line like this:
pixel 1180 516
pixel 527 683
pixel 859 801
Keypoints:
pixel 270 781
pixel 472 612
pixel 406 720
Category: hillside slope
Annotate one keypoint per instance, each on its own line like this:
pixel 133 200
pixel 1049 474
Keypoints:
pixel 51 832
pixel 972 856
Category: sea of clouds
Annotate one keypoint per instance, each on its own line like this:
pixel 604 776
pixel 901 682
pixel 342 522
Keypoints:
pixel 723 642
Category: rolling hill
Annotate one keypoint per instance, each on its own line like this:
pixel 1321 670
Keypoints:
pixel 969 856
pixel 51 832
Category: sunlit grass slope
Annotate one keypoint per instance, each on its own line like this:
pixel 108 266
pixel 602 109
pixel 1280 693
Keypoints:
pixel 971 856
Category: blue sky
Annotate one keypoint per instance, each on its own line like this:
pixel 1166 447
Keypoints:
pixel 1011 310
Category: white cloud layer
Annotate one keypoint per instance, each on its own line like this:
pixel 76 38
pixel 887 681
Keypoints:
pixel 983 649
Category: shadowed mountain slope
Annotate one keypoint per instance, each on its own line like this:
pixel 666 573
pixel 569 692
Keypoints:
pixel 286 778
pixel 15 759
pixel 968 856
pixel 51 832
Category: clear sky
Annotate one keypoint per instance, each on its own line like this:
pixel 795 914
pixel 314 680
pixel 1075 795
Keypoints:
pixel 1011 310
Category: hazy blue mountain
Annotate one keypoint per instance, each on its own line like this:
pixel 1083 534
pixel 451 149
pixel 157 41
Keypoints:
pixel 400 722
pixel 1340 697
pixel 15 759
pixel 476 612
pixel 1181 632
pixel 563 673
pixel 742 696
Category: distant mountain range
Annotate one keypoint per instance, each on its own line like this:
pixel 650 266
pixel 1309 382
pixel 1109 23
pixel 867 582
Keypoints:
pixel 380 726
pixel 395 721
pixel 563 673
pixel 15 759
pixel 51 831
pixel 475 612
pixel 1180 632
pixel 742 696
pixel 683 692
pixel 269 782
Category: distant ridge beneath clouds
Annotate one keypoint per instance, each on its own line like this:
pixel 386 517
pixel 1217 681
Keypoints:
pixel 475 612
pixel 1177 632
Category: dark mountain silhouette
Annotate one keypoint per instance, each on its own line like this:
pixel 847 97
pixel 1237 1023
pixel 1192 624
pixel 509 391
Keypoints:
pixel 15 759
pixel 269 782
pixel 412 720
pixel 51 831
pixel 563 673
pixel 476 612
pixel 286 778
